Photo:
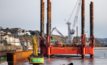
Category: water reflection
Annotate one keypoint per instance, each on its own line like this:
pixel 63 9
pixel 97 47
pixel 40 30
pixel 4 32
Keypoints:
pixel 99 59
pixel 76 61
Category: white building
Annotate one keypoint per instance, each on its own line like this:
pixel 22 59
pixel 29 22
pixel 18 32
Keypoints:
pixel 2 33
pixel 11 40
pixel 23 32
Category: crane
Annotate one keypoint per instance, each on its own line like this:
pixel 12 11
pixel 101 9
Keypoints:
pixel 72 31
pixel 58 32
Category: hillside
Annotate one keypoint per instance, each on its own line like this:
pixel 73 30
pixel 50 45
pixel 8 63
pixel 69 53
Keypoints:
pixel 56 37
pixel 98 44
pixel 60 39
pixel 103 41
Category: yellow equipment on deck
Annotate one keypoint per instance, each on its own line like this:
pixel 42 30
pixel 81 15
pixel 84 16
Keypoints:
pixel 35 47
pixel 35 58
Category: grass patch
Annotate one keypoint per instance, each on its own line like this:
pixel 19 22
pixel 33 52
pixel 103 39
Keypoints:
pixel 3 59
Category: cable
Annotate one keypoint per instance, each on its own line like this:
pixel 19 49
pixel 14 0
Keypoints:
pixel 73 11
pixel 75 19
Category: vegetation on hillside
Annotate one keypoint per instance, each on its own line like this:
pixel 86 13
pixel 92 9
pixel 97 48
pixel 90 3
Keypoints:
pixel 37 35
pixel 98 44
pixel 29 37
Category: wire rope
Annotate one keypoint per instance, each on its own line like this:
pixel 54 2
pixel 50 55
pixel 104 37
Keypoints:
pixel 73 10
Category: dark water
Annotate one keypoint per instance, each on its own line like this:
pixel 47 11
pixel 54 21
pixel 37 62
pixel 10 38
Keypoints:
pixel 100 58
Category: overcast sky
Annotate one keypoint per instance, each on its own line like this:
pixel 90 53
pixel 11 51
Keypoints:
pixel 25 14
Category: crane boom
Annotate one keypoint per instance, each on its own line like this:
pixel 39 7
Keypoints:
pixel 76 16
pixel 72 31
pixel 57 31
pixel 75 20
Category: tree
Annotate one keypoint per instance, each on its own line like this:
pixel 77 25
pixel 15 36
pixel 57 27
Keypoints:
pixel 7 28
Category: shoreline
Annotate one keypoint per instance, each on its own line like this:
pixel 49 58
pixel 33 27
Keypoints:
pixel 100 48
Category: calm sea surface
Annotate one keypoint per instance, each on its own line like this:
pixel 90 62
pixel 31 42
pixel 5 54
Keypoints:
pixel 100 58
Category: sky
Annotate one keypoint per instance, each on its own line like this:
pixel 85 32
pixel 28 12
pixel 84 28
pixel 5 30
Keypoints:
pixel 25 14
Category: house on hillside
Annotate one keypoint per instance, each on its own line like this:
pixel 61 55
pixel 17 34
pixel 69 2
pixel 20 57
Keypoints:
pixel 25 44
pixel 10 40
pixel 2 33
pixel 23 32
pixel 16 29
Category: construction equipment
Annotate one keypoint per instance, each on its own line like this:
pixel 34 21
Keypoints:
pixel 72 31
pixel 48 49
pixel 92 38
pixel 58 33
pixel 35 58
